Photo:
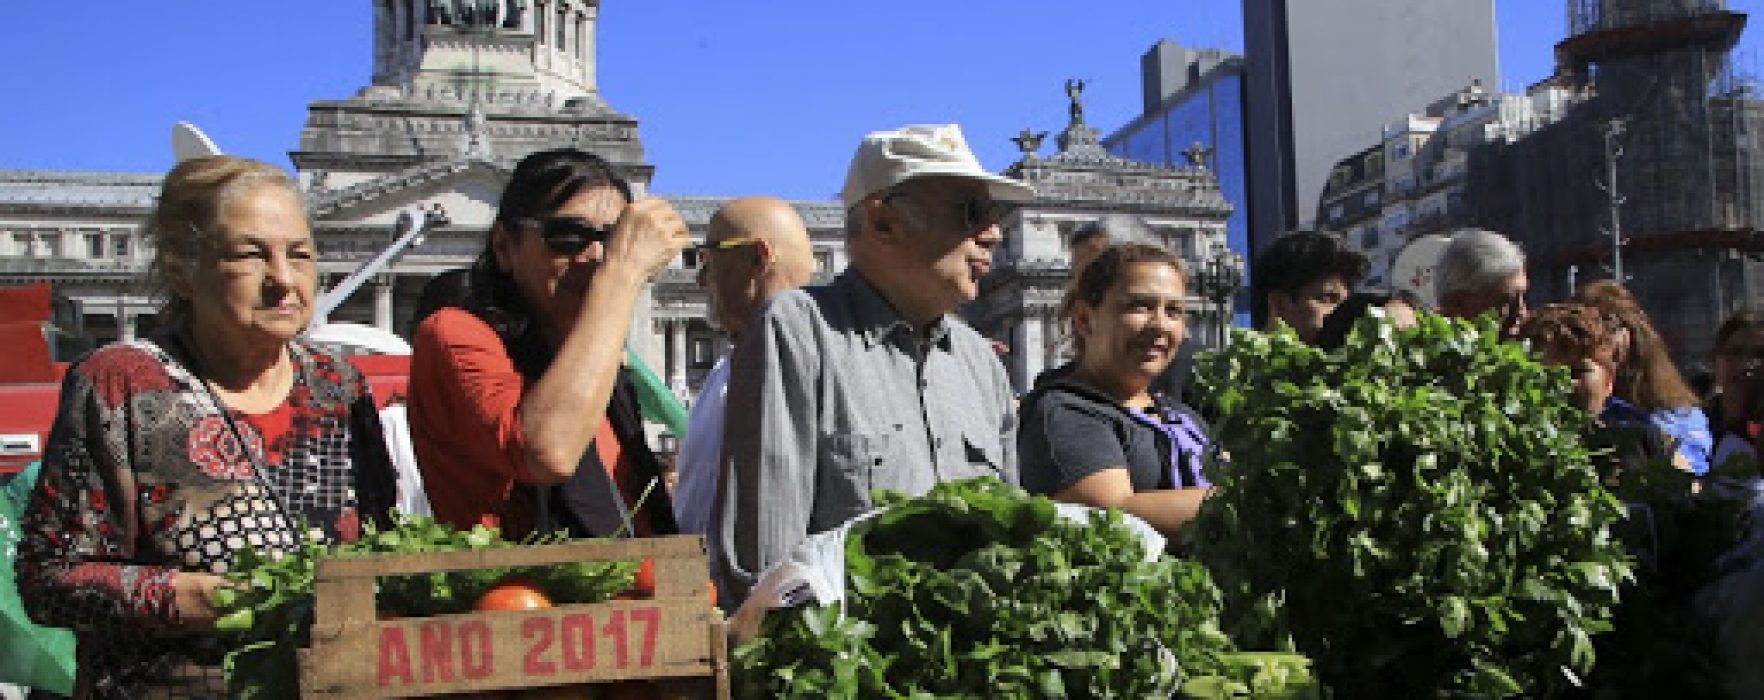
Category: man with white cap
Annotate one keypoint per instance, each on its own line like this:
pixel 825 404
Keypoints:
pixel 868 382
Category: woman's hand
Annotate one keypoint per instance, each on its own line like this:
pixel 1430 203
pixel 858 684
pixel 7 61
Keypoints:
pixel 194 595
pixel 648 234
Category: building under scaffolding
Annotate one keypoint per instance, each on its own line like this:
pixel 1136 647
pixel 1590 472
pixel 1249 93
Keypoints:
pixel 1688 197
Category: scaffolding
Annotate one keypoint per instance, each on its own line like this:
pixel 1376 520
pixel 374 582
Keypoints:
pixel 1690 178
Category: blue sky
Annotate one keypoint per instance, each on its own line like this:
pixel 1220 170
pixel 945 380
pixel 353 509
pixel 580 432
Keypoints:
pixel 733 98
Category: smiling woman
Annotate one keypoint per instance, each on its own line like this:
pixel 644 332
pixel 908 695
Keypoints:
pixel 1100 436
pixel 171 455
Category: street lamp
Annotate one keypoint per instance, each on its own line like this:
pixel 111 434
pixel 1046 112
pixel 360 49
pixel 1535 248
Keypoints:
pixel 1217 280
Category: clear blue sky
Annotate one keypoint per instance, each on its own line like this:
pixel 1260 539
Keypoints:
pixel 733 97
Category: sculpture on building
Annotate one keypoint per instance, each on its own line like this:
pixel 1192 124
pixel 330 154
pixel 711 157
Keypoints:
pixel 1029 142
pixel 1075 92
pixel 1199 156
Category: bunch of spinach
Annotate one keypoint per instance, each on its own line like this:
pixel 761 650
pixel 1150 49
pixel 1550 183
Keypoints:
pixel 1417 510
pixel 268 615
pixel 978 590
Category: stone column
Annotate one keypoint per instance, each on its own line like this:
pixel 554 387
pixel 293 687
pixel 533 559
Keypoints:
pixel 677 348
pixel 383 303
pixel 125 331
pixel 1023 344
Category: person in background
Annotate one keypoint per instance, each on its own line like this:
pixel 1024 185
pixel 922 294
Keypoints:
pixel 1648 384
pixel 1479 272
pixel 519 412
pixel 1582 339
pixel 756 247
pixel 869 382
pixel 1100 436
pixel 1091 238
pixel 1739 385
pixel 171 455
pixel 1300 278
pixel 1400 308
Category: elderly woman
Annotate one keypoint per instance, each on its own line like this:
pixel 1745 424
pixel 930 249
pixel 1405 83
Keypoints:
pixel 519 412
pixel 1100 436
pixel 170 456
pixel 1648 385
pixel 1585 341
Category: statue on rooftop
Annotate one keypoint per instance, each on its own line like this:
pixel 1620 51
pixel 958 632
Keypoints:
pixel 1075 92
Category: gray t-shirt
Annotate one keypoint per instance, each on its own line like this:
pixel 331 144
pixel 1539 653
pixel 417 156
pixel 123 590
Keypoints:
pixel 832 395
pixel 1070 432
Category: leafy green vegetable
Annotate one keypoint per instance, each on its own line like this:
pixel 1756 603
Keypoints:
pixel 269 615
pixel 979 590
pixel 1416 511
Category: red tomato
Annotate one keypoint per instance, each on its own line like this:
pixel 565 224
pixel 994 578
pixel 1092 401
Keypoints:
pixel 513 594
pixel 643 584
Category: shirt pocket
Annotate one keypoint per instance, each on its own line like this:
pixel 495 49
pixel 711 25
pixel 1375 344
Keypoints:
pixel 843 484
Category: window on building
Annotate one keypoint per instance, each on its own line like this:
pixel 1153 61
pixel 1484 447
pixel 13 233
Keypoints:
pixel 1340 177
pixel 539 15
pixel 49 245
pixel 563 27
pixel 1336 212
pixel 823 262
pixel 409 20
pixel 703 352
pixel 119 246
pixel 1400 151
pixel 1369 238
pixel 1371 199
pixel 94 245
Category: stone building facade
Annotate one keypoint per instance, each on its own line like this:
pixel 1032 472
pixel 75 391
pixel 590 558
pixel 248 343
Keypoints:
pixel 462 90
pixel 1081 182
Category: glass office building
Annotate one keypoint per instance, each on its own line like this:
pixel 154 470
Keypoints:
pixel 1206 108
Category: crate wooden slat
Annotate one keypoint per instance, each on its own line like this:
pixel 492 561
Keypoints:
pixel 675 636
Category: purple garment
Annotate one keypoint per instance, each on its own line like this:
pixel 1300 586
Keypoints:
pixel 1187 444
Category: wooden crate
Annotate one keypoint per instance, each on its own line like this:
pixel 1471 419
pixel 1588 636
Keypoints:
pixel 676 636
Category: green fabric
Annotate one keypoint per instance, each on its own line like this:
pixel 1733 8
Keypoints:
pixel 35 657
pixel 654 399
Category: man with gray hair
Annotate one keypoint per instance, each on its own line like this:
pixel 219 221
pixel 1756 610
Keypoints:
pixel 1481 271
pixel 1091 238
pixel 869 382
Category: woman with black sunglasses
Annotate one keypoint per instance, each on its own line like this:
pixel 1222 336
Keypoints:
pixel 519 411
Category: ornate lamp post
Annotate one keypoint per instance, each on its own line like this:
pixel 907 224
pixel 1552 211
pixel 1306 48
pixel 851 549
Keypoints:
pixel 1217 280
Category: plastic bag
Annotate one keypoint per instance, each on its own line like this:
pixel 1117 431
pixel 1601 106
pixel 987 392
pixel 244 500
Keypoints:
pixel 36 657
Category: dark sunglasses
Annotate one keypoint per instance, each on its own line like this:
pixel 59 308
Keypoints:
pixel 976 212
pixel 566 235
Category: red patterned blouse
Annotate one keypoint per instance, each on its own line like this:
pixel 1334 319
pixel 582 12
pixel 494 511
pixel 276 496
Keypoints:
pixel 143 477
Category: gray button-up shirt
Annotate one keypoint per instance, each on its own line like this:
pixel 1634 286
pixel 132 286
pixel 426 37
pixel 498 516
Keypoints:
pixel 833 394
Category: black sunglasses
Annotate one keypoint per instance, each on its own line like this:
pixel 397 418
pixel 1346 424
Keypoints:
pixel 566 235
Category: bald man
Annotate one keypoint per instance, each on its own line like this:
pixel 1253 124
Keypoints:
pixel 756 247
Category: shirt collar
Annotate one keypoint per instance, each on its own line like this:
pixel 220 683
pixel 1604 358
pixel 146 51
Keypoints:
pixel 876 318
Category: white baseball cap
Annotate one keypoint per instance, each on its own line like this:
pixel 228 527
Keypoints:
pixel 888 158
